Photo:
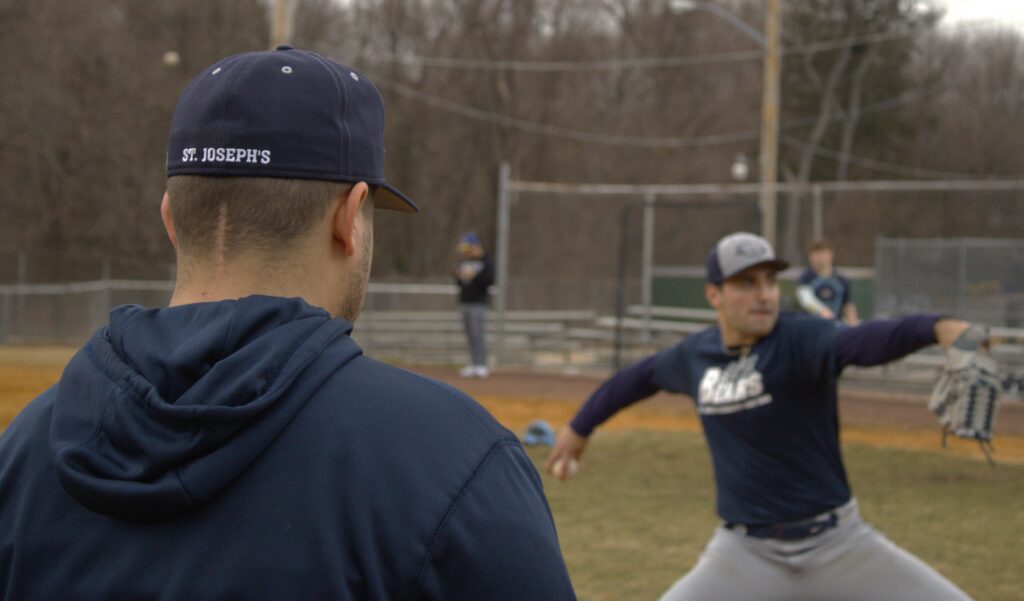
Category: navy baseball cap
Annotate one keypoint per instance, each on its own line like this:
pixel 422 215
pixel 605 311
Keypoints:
pixel 283 113
pixel 737 252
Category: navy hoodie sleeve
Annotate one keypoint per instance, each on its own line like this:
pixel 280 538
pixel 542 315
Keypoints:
pixel 497 540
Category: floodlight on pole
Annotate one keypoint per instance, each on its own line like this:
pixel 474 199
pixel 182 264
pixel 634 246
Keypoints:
pixel 740 168
pixel 769 41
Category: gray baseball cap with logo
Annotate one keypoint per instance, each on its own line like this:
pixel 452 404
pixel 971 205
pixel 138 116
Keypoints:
pixel 740 251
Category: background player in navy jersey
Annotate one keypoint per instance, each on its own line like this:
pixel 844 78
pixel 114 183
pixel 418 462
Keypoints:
pixel 765 390
pixel 821 290
pixel 474 274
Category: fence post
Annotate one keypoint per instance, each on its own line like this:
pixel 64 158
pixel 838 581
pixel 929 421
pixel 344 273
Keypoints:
pixel 646 267
pixel 107 298
pixel 620 292
pixel 817 212
pixel 5 329
pixel 961 291
pixel 504 209
pixel 19 307
pixel 879 249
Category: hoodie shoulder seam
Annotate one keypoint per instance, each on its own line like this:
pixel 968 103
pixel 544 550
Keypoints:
pixel 273 373
pixel 121 383
pixel 184 487
pixel 91 441
pixel 227 330
pixel 446 518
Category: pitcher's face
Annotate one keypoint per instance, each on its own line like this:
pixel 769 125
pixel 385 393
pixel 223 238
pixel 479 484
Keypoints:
pixel 748 302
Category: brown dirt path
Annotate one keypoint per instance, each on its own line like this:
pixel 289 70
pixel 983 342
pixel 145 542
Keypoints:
pixel 890 420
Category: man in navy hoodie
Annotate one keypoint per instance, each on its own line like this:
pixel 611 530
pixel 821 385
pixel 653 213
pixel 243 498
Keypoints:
pixel 237 444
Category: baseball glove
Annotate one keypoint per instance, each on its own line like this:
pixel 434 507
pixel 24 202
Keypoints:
pixel 967 394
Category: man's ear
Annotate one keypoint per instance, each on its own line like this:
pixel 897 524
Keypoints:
pixel 165 214
pixel 345 214
pixel 714 295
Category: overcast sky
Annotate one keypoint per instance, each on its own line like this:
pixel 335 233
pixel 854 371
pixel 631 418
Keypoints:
pixel 1009 11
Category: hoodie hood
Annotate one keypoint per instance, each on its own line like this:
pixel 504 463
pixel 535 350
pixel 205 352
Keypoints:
pixel 164 408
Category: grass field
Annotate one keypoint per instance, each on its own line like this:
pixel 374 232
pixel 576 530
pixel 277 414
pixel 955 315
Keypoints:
pixel 641 510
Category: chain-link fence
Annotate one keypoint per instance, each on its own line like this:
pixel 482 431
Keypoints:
pixel 58 298
pixel 970 278
pixel 68 313
pixel 551 318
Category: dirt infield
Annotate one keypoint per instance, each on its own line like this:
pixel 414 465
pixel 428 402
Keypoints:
pixel 888 420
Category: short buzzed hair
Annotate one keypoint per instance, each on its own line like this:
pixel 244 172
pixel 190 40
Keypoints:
pixel 232 215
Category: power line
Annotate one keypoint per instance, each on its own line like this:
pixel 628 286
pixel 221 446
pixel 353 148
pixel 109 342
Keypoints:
pixel 616 140
pixel 562 132
pixel 566 66
pixel 632 63
pixel 673 142
pixel 882 166
pixel 871 109
pixel 648 142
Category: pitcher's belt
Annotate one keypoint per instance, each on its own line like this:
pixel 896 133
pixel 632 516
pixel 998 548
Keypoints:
pixel 789 530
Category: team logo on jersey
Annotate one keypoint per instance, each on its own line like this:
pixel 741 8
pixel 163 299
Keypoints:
pixel 736 387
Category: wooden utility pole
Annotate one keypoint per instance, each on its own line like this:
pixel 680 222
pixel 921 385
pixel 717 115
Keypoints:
pixel 770 121
pixel 283 23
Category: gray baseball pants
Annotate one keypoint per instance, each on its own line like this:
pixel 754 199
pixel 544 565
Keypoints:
pixel 851 562
pixel 474 319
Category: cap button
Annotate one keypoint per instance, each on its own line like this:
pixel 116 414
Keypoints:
pixel 284 47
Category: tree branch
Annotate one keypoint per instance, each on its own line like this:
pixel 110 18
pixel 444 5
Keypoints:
pixel 853 113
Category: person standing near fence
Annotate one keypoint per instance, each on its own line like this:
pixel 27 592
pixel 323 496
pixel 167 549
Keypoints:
pixel 474 274
pixel 823 291
pixel 238 444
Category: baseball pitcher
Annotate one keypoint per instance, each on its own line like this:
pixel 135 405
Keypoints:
pixel 765 390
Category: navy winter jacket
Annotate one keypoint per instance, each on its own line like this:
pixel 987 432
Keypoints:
pixel 247 450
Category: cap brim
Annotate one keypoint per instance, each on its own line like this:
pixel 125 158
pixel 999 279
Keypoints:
pixel 390 199
pixel 776 264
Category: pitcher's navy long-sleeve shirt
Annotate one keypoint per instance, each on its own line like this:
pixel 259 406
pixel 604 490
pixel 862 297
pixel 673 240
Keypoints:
pixel 768 411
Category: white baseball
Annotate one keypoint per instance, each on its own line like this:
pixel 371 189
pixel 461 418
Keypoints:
pixel 171 58
pixel 566 467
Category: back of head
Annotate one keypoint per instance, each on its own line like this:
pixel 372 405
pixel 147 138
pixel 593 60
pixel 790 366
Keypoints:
pixel 261 143
pixel 223 218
